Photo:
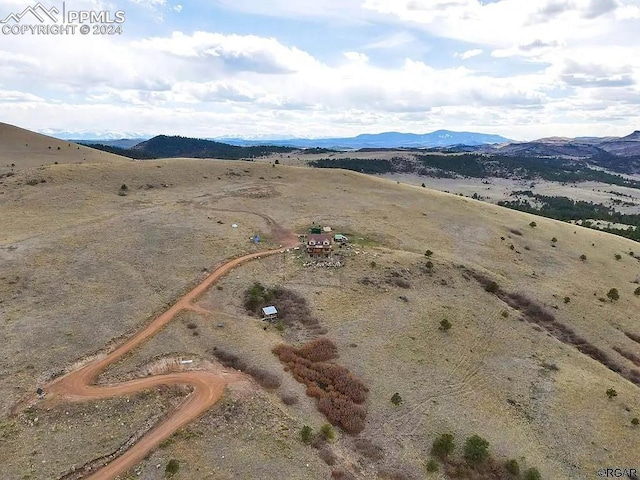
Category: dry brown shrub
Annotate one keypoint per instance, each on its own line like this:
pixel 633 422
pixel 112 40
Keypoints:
pixel 342 474
pixel 632 357
pixel 368 449
pixel 339 392
pixel 229 359
pixel 327 456
pixel 289 399
pixel 397 473
pixel 319 350
pixel 265 379
pixel 633 336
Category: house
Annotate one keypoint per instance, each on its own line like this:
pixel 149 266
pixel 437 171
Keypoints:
pixel 319 245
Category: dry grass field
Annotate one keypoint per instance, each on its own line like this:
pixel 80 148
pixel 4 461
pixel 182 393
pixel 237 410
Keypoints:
pixel 24 149
pixel 84 264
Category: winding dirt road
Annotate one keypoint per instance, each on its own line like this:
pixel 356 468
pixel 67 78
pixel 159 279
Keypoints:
pixel 78 386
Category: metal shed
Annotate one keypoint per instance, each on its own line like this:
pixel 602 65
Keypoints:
pixel 270 313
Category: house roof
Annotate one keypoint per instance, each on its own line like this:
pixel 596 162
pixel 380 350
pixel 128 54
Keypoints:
pixel 319 238
pixel 270 311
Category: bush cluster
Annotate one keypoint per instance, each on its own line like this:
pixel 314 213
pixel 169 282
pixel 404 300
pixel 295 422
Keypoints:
pixel 292 307
pixel 340 394
pixel 264 378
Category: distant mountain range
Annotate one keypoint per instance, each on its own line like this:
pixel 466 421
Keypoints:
pixel 620 154
pixel 440 138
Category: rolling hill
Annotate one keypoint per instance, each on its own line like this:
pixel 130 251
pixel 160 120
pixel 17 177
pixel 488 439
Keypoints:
pixel 540 358
pixel 164 146
pixel 24 149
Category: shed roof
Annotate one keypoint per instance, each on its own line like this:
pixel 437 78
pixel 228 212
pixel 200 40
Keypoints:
pixel 270 311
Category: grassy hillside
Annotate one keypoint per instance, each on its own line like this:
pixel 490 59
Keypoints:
pixel 24 149
pixel 84 263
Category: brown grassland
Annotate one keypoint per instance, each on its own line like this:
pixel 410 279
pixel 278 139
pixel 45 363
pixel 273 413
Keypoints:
pixel 82 266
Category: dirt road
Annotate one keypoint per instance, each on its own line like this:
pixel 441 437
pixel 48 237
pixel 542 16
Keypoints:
pixel 77 386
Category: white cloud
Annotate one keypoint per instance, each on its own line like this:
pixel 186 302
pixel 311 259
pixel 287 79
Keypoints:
pixel 586 72
pixel 394 40
pixel 234 52
pixel 356 57
pixel 469 54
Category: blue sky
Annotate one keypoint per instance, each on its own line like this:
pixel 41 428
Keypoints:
pixel 331 68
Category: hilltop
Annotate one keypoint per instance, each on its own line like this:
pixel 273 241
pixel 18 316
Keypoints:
pixel 534 344
pixel 24 149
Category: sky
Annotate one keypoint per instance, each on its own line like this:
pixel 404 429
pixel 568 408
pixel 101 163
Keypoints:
pixel 325 68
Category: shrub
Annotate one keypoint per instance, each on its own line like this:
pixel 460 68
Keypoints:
pixel 327 456
pixel 172 467
pixel 289 399
pixel 583 257
pixel 635 422
pixel 554 240
pixel 219 287
pixel 328 433
pixel 428 253
pixel 229 359
pixel 280 326
pixel 432 466
pixel 567 299
pixel 429 264
pixel 512 467
pixel 368 449
pixel 532 474
pixel 611 393
pixel 443 446
pixel 265 379
pixel 373 264
pixel 124 187
pixel 445 325
pixel 492 287
pixel 618 256
pixel 277 162
pixel 396 399
pixel 505 314
pixel 257 296
pixel 533 224
pixel 476 450
pixel 191 326
pixel 637 291
pixel 613 294
pixel 306 434
pixel 424 186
